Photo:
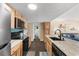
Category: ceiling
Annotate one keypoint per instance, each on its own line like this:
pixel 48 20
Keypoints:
pixel 44 12
pixel 71 15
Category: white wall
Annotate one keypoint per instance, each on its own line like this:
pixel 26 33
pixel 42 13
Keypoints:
pixel 69 18
pixel 35 30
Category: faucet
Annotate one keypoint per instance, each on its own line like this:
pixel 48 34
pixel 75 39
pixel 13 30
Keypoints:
pixel 59 33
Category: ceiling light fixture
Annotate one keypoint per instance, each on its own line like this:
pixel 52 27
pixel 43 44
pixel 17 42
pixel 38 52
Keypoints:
pixel 32 6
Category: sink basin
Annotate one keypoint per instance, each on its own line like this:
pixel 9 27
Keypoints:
pixel 55 38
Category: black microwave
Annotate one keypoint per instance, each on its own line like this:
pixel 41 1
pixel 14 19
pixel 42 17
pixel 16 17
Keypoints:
pixel 19 24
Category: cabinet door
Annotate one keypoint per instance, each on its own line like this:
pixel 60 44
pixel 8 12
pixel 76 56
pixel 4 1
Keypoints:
pixel 45 43
pixel 49 50
pixel 17 50
pixel 21 49
pixel 13 19
pixel 18 15
pixel 48 45
pixel 14 54
pixel 47 27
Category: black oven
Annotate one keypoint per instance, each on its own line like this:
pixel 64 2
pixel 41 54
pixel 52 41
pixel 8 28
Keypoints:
pixel 16 34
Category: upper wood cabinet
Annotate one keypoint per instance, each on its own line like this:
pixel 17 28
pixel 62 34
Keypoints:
pixel 47 27
pixel 12 19
pixel 19 15
pixel 15 15
pixel 17 21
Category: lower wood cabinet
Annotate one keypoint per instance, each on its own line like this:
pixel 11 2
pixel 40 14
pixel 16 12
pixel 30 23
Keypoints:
pixel 49 50
pixel 17 50
pixel 48 46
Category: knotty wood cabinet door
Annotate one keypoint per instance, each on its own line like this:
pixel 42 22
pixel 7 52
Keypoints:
pixel 47 27
pixel 17 50
pixel 48 46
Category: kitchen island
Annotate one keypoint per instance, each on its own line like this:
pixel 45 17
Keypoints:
pixel 68 47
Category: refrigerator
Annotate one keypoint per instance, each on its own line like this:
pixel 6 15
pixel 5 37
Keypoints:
pixel 5 26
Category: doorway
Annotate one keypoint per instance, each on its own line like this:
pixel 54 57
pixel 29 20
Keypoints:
pixel 36 30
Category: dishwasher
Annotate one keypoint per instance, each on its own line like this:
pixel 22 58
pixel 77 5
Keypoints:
pixel 57 51
pixel 26 44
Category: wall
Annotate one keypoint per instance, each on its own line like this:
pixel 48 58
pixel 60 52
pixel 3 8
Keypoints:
pixel 66 26
pixel 69 21
pixel 40 32
pixel 35 30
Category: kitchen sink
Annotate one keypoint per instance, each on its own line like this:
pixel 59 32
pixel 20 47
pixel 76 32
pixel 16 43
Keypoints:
pixel 55 38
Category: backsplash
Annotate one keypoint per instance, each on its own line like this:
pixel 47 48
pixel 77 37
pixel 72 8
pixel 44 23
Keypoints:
pixel 66 26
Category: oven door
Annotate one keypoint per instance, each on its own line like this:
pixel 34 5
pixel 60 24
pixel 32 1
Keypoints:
pixel 15 35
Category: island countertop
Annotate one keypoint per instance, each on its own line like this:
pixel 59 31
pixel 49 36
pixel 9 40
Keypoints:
pixel 69 47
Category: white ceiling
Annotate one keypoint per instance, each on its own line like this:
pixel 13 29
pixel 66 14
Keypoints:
pixel 44 12
pixel 71 15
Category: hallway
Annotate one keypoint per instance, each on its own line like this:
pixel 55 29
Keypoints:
pixel 37 48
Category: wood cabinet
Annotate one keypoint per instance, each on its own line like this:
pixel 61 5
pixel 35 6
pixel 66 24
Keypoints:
pixel 12 19
pixel 15 14
pixel 17 50
pixel 47 27
pixel 17 20
pixel 48 46
pixel 30 33
pixel 18 15
pixel 48 43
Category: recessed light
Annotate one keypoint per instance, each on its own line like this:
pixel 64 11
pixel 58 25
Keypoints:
pixel 32 6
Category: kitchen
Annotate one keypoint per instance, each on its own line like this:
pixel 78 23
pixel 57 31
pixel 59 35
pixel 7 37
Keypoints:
pixel 58 29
